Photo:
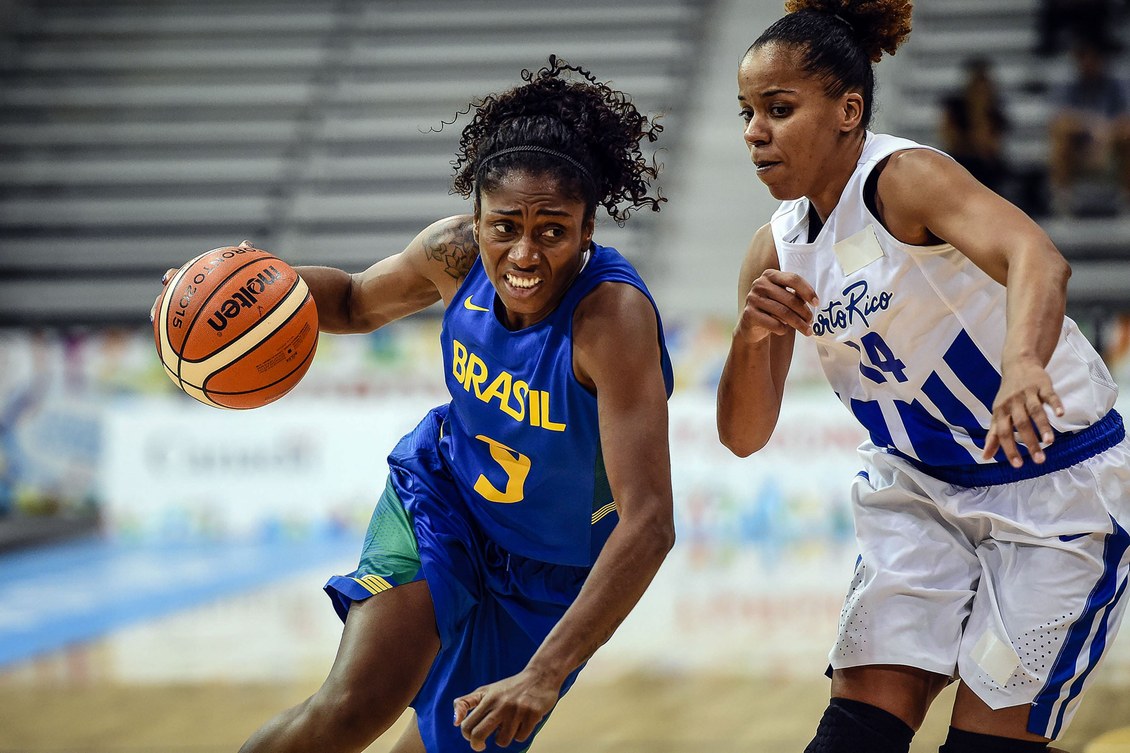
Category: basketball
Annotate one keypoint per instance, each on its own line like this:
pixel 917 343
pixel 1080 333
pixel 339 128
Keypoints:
pixel 236 328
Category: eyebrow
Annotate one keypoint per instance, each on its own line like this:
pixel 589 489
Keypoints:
pixel 770 93
pixel 517 212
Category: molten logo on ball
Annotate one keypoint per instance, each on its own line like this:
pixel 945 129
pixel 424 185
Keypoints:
pixel 245 297
pixel 215 259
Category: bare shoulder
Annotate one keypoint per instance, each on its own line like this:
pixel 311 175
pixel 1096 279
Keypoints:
pixel 762 247
pixel 614 304
pixel 760 256
pixel 917 174
pixel 450 245
pixel 614 327
pixel 917 189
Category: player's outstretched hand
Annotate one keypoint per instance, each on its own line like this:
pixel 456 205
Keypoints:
pixel 1019 410
pixel 777 302
pixel 510 709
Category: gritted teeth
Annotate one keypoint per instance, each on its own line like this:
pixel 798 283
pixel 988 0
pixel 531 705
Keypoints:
pixel 522 282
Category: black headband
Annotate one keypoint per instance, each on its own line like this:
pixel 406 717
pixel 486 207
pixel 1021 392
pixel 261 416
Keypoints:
pixel 540 150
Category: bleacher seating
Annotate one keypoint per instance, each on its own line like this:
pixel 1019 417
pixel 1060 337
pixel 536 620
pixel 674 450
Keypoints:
pixel 946 33
pixel 135 134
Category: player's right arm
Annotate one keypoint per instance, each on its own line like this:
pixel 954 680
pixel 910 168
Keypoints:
pixel 774 306
pixel 430 269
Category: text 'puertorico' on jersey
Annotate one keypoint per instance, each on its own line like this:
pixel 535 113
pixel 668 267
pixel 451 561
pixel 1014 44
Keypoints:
pixel 911 337
pixel 522 437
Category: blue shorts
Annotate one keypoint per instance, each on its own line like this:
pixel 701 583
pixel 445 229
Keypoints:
pixel 493 609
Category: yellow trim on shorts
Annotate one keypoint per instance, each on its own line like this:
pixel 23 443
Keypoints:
pixel 374 584
pixel 603 511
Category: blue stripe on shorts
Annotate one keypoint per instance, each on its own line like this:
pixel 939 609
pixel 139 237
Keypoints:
pixel 1050 706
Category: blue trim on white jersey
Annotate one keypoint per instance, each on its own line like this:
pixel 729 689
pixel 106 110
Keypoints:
pixel 1052 700
pixel 868 413
pixel 955 412
pixel 945 432
pixel 974 370
pixel 912 337
pixel 1068 450
pixel 930 437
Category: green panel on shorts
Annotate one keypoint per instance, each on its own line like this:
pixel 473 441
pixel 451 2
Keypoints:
pixel 390 549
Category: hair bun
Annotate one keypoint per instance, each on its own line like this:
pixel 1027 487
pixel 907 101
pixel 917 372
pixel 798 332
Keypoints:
pixel 877 25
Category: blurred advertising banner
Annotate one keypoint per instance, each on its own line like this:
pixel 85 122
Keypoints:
pixel 175 470
pixel 765 543
pixel 62 395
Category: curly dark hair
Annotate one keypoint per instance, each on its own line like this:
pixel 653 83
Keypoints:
pixel 596 127
pixel 841 40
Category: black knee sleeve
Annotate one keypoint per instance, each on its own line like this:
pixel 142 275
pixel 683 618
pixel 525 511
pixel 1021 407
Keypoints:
pixel 960 741
pixel 855 727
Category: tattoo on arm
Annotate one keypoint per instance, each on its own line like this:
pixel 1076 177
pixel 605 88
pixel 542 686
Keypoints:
pixel 455 248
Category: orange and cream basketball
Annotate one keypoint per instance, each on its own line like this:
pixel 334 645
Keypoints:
pixel 236 327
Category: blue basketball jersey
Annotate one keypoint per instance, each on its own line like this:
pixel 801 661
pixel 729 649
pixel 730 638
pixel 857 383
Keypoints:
pixel 521 436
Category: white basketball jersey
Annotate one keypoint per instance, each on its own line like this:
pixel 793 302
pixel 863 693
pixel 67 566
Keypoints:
pixel 911 337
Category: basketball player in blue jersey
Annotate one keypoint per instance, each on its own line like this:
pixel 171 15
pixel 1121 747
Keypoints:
pixel 520 522
pixel 994 501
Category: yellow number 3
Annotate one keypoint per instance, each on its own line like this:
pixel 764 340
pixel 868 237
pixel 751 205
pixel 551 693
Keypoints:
pixel 517 467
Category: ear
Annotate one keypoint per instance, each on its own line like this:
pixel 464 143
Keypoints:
pixel 851 111
pixel 589 228
pixel 475 224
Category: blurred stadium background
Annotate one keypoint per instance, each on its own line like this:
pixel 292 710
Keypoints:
pixel 161 562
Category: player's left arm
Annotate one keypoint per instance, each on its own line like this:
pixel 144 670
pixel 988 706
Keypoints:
pixel 926 195
pixel 616 351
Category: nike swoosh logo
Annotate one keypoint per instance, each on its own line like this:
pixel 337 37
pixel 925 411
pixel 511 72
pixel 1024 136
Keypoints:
pixel 472 306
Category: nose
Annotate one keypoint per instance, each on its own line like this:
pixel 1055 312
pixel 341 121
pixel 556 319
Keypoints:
pixel 756 133
pixel 524 251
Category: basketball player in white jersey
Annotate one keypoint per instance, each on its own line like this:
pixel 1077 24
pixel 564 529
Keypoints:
pixel 994 501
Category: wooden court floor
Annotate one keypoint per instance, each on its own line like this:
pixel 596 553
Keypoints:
pixel 639 713
pixel 201 680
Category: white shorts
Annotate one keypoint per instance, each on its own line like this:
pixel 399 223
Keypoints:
pixel 1016 589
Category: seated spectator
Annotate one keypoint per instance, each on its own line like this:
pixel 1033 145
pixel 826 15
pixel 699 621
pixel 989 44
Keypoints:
pixel 1060 20
pixel 1116 350
pixel 1089 169
pixel 974 124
